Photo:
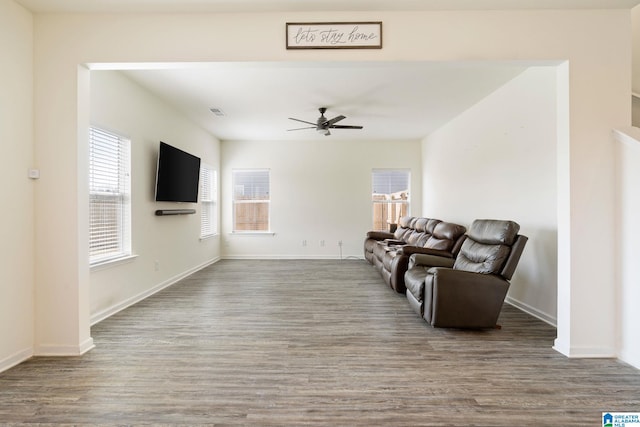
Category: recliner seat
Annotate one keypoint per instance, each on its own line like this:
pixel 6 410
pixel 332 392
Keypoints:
pixel 470 292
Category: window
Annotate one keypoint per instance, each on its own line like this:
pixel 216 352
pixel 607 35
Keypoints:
pixel 109 196
pixel 251 200
pixel 390 196
pixel 208 201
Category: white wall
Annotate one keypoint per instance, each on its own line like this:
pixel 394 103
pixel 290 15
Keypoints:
pixel 498 160
pixel 635 82
pixel 629 158
pixel 16 218
pixel 595 43
pixel 120 105
pixel 320 190
pixel 628 204
pixel 635 20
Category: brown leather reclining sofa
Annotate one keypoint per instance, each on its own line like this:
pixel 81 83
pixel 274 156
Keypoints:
pixel 390 252
pixel 469 293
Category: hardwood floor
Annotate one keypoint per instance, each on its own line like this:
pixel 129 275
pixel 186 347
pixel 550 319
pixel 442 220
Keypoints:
pixel 295 343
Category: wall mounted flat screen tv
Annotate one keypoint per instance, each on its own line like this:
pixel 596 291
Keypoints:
pixel 178 175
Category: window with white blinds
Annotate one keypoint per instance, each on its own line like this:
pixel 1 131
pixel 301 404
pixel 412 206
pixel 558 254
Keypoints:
pixel 109 196
pixel 390 196
pixel 251 200
pixel 208 201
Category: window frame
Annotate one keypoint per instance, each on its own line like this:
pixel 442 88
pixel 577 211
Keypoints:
pixel 109 178
pixel 391 204
pixel 236 202
pixel 208 201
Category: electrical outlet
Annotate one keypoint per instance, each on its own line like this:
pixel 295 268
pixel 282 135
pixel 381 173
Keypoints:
pixel 322 243
pixel 304 243
pixel 156 265
pixel 340 243
pixel 33 173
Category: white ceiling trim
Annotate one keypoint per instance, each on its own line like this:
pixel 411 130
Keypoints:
pixel 216 6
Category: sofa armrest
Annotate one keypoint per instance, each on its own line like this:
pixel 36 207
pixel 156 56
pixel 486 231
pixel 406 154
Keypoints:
pixel 410 250
pixel 464 299
pixel 379 235
pixel 394 242
pixel 430 260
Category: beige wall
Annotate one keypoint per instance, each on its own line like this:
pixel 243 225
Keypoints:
pixel 16 217
pixel 173 242
pixel 498 160
pixel 596 82
pixel 320 191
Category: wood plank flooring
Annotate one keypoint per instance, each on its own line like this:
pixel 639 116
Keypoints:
pixel 313 342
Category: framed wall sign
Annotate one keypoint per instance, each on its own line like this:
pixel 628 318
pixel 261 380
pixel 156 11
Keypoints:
pixel 334 35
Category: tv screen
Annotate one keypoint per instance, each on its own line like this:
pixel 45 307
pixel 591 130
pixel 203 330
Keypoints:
pixel 178 175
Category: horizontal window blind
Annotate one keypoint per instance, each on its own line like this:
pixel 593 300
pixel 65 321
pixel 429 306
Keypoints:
pixel 251 184
pixel 208 200
pixel 109 196
pixel 390 181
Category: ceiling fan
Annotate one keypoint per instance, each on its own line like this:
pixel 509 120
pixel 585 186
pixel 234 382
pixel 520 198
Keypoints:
pixel 323 124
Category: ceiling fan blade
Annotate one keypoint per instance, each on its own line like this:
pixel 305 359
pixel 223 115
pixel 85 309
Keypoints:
pixel 345 127
pixel 310 127
pixel 303 121
pixel 334 120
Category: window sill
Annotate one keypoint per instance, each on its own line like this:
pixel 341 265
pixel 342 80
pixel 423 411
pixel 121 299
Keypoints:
pixel 252 233
pixel 103 265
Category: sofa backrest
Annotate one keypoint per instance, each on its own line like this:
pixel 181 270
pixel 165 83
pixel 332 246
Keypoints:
pixel 430 233
pixel 445 236
pixel 491 247
pixel 421 231
pixel 404 228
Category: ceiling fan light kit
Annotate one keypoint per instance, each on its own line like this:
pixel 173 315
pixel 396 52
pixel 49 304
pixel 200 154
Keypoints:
pixel 323 124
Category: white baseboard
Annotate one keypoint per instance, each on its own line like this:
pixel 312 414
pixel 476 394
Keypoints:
pixel 15 359
pixel 64 350
pixel 87 345
pixel 587 352
pixel 545 317
pixel 292 257
pixel 110 311
pixel 630 358
pixel 571 351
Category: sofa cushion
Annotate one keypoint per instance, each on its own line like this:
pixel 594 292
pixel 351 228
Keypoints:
pixel 444 236
pixel 414 237
pixel 431 225
pixel 404 228
pixel 380 249
pixel 421 225
pixel 414 281
pixel 481 258
pixel 448 230
pixel 487 247
pixel 494 232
